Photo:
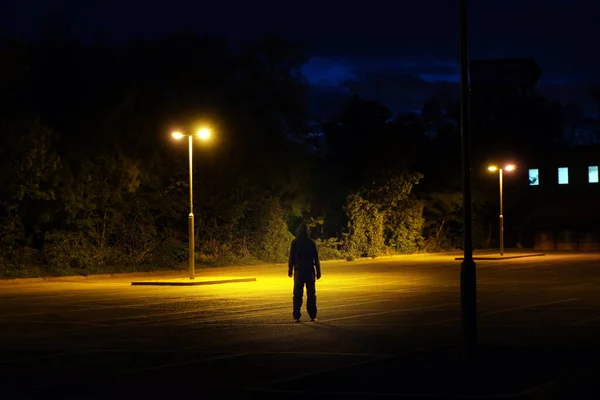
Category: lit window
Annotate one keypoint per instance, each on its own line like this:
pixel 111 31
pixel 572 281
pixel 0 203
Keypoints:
pixel 563 176
pixel 534 177
pixel 593 174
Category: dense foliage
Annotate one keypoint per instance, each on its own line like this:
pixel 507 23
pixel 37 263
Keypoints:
pixel 90 180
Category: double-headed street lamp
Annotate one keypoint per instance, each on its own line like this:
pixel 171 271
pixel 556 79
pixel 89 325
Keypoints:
pixel 203 134
pixel 508 168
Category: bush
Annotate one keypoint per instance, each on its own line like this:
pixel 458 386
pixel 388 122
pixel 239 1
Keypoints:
pixel 405 227
pixel 68 252
pixel 330 249
pixel 217 255
pixel 271 240
pixel 168 253
pixel 22 263
pixel 365 223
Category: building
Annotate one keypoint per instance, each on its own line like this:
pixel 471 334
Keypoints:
pixel 563 198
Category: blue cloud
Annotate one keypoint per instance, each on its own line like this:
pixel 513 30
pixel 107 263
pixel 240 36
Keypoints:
pixel 440 77
pixel 328 72
pixel 323 71
pixel 402 85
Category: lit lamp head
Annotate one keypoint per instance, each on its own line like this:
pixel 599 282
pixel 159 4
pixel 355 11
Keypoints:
pixel 492 168
pixel 204 134
pixel 510 167
pixel 177 135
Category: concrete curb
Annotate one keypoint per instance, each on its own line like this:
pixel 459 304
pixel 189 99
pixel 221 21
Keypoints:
pixel 94 278
pixel 177 273
pixel 500 258
pixel 191 283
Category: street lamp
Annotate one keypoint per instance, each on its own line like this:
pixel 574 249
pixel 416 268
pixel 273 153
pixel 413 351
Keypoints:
pixel 508 168
pixel 203 134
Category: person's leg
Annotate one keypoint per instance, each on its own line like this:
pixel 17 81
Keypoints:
pixel 297 300
pixel 311 298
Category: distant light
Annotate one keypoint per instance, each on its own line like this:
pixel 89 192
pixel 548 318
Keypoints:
pixel 204 134
pixel 493 168
pixel 510 167
pixel 177 135
pixel 534 177
pixel 593 174
pixel 563 176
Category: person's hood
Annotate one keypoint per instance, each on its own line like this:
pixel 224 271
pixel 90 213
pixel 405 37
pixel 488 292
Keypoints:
pixel 302 231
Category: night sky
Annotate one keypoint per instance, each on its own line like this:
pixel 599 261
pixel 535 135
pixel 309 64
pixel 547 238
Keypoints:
pixel 398 52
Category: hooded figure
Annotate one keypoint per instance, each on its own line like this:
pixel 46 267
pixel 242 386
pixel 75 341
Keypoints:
pixel 304 266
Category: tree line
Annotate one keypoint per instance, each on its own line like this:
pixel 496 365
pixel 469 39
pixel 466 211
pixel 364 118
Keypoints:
pixel 90 180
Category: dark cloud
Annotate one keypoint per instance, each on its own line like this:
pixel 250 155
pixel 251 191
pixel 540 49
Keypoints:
pixel 397 92
pixel 326 102
pixel 390 50
pixel 570 92
pixel 400 93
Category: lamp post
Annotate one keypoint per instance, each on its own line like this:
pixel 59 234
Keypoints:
pixel 508 168
pixel 203 134
pixel 468 273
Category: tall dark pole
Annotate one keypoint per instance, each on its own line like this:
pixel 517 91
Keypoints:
pixel 501 218
pixel 468 279
pixel 192 256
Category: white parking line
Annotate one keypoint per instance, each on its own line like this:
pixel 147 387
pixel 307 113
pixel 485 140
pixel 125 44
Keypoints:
pixel 250 353
pixel 585 321
pixel 39 357
pixel 182 363
pixel 154 368
pixel 390 312
pixel 332 369
pixel 27 321
pixel 254 313
pixel 505 310
pixel 374 394
pixel 141 319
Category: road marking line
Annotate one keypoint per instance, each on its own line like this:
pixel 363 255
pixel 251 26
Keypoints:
pixel 366 394
pixel 28 358
pixel 275 305
pixel 10 316
pixel 180 364
pixel 382 325
pixel 321 353
pixel 187 351
pixel 332 369
pixel 337 288
pixel 27 321
pixel 585 321
pixel 252 353
pixel 188 299
pixel 390 312
pixel 529 326
pixel 260 313
pixel 284 323
pixel 155 368
pixel 161 313
pixel 505 310
pixel 253 313
pixel 25 297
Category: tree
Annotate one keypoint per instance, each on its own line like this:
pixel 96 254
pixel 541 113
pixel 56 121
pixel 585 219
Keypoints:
pixel 29 180
pixel 122 197
pixel 365 228
pixel 594 94
pixel 443 219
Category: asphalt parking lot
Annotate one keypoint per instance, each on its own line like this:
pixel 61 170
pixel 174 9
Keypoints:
pixel 106 338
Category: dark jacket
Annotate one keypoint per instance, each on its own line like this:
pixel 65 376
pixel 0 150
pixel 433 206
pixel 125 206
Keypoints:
pixel 304 257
